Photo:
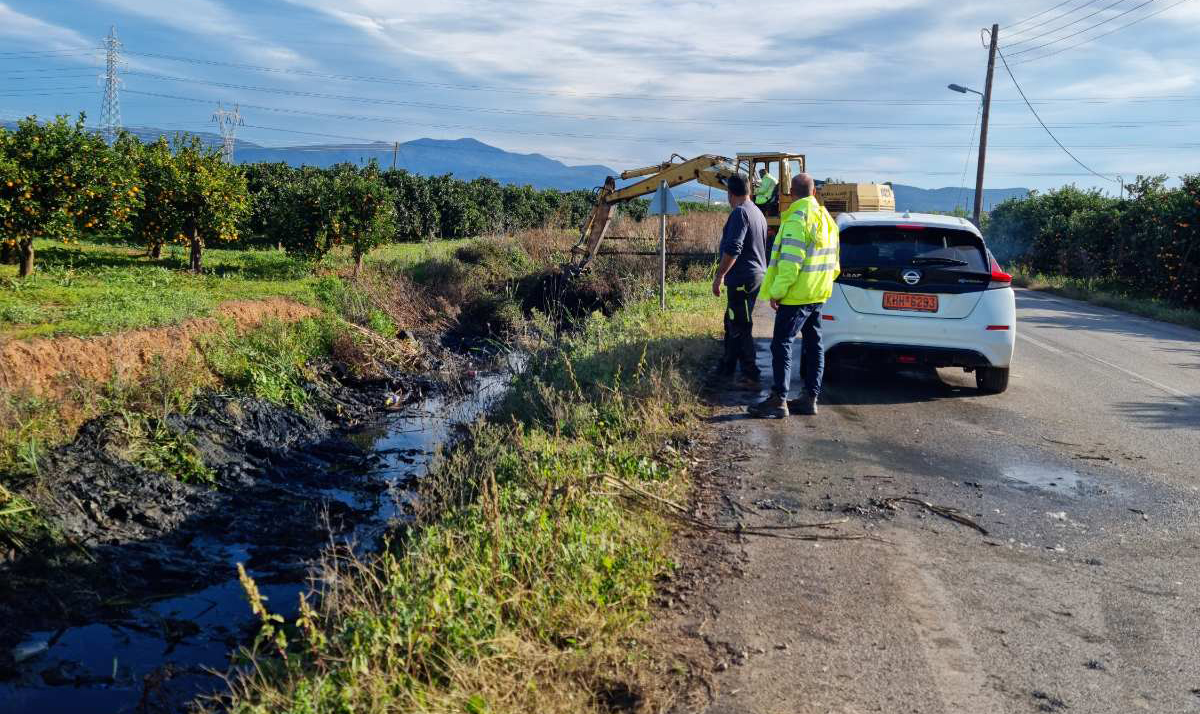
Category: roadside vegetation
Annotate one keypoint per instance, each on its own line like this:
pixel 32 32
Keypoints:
pixel 1106 294
pixel 1140 253
pixel 526 587
pixel 523 582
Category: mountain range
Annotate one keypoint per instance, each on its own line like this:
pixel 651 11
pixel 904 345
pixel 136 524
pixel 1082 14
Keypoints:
pixel 469 159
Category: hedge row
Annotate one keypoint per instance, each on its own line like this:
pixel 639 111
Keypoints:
pixel 59 180
pixel 427 207
pixel 1146 244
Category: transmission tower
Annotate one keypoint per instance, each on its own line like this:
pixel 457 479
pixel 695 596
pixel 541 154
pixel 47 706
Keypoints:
pixel 228 122
pixel 110 111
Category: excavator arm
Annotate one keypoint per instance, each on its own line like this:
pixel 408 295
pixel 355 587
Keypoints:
pixel 708 169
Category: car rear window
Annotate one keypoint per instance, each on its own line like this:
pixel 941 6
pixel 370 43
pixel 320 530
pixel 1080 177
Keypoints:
pixel 892 247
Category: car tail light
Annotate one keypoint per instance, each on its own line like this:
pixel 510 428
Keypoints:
pixel 910 227
pixel 997 327
pixel 1000 279
pixel 830 318
pixel 906 359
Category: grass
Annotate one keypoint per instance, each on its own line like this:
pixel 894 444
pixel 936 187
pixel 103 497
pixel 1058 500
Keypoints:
pixel 1099 293
pixel 529 576
pixel 530 580
pixel 88 289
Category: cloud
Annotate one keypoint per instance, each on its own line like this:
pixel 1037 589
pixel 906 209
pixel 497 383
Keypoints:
pixel 704 49
pixel 42 35
pixel 213 21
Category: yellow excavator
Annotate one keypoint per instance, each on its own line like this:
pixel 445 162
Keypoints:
pixel 712 170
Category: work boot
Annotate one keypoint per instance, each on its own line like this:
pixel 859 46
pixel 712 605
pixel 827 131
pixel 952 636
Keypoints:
pixel 805 405
pixel 773 407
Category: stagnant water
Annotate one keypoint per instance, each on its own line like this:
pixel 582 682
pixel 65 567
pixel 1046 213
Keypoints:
pixel 158 655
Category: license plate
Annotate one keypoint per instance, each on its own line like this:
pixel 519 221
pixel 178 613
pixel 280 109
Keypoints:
pixel 913 302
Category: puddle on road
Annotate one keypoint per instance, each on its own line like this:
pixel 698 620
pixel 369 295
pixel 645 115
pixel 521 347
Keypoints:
pixel 1056 479
pixel 156 656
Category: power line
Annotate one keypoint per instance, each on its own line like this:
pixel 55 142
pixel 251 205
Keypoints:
pixel 44 55
pixel 1048 20
pixel 899 101
pixel 1103 34
pixel 604 117
pixel 1076 21
pixel 1033 17
pixel 1084 30
pixel 962 181
pixel 1048 132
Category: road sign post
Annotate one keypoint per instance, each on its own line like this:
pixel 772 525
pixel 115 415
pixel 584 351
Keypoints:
pixel 662 204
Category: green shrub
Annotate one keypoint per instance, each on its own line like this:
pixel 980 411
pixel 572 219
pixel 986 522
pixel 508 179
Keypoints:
pixel 1144 244
pixel 271 361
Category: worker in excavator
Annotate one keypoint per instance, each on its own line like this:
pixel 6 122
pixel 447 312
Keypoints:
pixel 766 188
pixel 804 264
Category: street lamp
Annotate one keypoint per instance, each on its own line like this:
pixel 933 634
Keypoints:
pixel 962 90
pixel 984 101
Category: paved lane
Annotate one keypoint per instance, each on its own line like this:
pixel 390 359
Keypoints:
pixel 1084 592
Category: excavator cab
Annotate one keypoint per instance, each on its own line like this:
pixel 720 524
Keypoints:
pixel 782 167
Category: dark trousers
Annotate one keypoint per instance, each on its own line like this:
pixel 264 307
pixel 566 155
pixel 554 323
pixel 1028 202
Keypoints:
pixel 789 320
pixel 739 328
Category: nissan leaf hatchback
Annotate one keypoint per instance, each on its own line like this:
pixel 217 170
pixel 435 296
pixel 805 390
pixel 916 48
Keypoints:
pixel 920 289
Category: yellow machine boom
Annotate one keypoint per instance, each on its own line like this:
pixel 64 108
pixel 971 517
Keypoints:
pixel 708 169
pixel 712 170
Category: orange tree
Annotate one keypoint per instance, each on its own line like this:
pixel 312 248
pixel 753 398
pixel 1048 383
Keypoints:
pixel 364 210
pixel 319 210
pixel 192 197
pixel 61 181
pixel 300 216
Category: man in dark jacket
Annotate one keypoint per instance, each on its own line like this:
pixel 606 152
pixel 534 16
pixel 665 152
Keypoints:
pixel 743 264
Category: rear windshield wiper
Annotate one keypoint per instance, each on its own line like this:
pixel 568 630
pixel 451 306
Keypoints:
pixel 938 261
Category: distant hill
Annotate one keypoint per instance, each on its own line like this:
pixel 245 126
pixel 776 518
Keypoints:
pixel 465 158
pixel 469 159
pixel 911 198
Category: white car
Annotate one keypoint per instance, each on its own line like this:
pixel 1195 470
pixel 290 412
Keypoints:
pixel 920 289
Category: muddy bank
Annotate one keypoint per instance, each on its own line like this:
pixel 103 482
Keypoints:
pixel 140 596
pixel 129 532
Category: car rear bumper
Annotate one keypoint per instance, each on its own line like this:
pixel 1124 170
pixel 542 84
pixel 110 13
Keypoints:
pixel 965 342
pixel 905 355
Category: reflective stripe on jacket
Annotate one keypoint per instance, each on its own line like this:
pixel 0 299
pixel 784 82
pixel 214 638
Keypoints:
pixel 804 257
pixel 766 189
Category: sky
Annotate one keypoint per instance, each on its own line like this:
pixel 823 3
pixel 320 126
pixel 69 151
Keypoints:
pixel 858 86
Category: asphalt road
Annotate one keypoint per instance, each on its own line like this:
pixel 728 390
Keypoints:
pixel 1083 596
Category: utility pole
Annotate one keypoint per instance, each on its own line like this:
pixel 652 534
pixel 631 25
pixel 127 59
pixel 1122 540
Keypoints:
pixel 110 108
pixel 395 150
pixel 983 131
pixel 228 122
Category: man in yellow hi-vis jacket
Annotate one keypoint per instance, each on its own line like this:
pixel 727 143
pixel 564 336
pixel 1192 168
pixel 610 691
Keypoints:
pixel 799 279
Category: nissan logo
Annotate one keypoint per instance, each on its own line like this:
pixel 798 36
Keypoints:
pixel 911 276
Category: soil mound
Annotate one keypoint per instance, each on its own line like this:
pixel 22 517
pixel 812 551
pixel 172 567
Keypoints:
pixel 48 367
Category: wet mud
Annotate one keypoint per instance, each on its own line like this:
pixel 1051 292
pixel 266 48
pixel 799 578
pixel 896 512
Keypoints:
pixel 138 604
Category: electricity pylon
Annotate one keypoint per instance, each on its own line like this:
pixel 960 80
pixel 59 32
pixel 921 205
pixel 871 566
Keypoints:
pixel 110 110
pixel 227 122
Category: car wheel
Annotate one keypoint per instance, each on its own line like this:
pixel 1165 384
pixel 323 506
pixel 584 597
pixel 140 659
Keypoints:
pixel 991 380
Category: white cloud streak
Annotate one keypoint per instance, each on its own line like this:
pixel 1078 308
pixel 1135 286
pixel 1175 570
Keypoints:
pixel 39 34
